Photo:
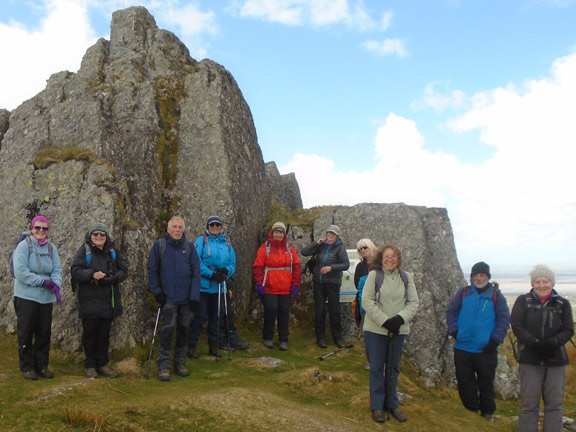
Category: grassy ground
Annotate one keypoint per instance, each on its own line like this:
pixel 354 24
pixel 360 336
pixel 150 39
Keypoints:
pixel 304 394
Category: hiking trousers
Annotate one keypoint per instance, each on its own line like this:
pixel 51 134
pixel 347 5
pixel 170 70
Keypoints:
pixel 207 307
pixel 34 321
pixel 546 383
pixel 276 308
pixel 174 318
pixel 475 373
pixel 96 341
pixel 330 292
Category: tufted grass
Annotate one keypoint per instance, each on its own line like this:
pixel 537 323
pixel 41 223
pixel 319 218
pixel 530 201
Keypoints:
pixel 304 394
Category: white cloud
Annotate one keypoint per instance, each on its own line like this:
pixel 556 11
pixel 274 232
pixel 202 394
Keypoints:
pixel 439 102
pixel 386 47
pixel 317 13
pixel 32 55
pixel 519 206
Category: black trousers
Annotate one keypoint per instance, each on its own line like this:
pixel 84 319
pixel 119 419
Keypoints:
pixel 330 292
pixel 34 321
pixel 276 308
pixel 475 373
pixel 96 341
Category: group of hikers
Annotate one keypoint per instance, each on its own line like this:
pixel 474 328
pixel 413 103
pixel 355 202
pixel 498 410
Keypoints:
pixel 189 282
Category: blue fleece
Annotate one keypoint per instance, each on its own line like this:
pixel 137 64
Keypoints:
pixel 214 253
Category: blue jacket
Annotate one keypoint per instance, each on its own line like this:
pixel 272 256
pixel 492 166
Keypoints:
pixel 214 253
pixel 477 319
pixel 30 270
pixel 176 274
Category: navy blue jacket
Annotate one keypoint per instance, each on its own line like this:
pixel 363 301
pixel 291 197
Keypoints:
pixel 477 318
pixel 177 274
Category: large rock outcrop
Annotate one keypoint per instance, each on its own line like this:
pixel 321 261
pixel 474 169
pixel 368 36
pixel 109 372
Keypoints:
pixel 141 132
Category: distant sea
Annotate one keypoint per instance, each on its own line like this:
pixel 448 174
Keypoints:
pixel 517 280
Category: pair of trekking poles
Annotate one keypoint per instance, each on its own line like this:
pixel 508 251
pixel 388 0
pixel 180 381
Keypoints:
pixel 220 291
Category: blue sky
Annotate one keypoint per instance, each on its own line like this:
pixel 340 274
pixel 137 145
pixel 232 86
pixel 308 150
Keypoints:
pixel 468 105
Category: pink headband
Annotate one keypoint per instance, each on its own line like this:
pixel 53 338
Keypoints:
pixel 39 218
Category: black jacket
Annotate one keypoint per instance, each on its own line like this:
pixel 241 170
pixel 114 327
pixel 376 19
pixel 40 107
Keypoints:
pixel 533 323
pixel 333 255
pixel 99 299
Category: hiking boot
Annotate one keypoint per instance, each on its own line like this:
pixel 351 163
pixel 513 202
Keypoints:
pixel 268 343
pixel 91 373
pixel 283 346
pixel 181 370
pixel 367 366
pixel 321 343
pixel 107 372
pixel 340 343
pixel 240 345
pixel 213 349
pixel 192 352
pixel 378 416
pixel 488 417
pixel 164 374
pixel 45 373
pixel 398 415
pixel 30 375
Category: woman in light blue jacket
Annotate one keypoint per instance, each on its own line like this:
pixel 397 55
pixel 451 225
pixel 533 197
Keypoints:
pixel 217 265
pixel 38 277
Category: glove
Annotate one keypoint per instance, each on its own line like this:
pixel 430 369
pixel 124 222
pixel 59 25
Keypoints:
pixel 160 298
pixel 454 334
pixel 56 292
pixel 218 277
pixel 260 289
pixel 294 290
pixel 223 270
pixel 108 279
pixel 49 283
pixel 490 347
pixel 393 324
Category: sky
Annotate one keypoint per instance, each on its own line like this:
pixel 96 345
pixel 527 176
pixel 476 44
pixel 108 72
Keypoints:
pixel 464 105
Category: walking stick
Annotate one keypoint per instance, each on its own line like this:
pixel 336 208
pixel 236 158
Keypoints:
pixel 390 367
pixel 219 294
pixel 152 344
pixel 226 321
pixel 335 352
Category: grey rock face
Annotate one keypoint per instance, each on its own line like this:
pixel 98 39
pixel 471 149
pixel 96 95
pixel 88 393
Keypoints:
pixel 4 120
pixel 164 135
pixel 286 192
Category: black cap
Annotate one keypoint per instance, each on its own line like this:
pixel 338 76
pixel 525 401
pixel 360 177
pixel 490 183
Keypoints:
pixel 480 267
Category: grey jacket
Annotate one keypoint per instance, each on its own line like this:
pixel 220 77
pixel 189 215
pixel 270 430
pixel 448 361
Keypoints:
pixel 333 255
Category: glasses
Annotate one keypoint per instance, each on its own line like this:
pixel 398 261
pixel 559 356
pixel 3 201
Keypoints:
pixel 39 228
pixel 390 257
pixel 361 248
pixel 99 234
pixel 214 224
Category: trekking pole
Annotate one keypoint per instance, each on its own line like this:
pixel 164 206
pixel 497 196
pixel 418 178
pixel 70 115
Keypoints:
pixel 443 345
pixel 335 352
pixel 219 294
pixel 390 373
pixel 152 344
pixel 513 346
pixel 226 321
pixel 573 342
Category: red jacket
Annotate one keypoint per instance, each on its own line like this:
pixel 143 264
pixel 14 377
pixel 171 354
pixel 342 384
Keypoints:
pixel 275 265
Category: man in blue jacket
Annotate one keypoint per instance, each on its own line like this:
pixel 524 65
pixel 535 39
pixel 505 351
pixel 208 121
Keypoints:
pixel 174 277
pixel 478 318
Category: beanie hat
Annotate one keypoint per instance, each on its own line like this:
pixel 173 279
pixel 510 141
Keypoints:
pixel 39 218
pixel 542 270
pixel 278 226
pixel 213 219
pixel 334 229
pixel 98 227
pixel 480 267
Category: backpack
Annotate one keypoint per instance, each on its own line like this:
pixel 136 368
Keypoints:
pixel 494 294
pixel 162 241
pixel 357 310
pixel 25 235
pixel 88 254
pixel 288 249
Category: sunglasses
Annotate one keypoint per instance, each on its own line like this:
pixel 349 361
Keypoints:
pixel 215 224
pixel 361 248
pixel 39 228
pixel 99 234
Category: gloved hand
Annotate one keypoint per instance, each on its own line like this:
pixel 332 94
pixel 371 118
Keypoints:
pixel 48 283
pixel 294 290
pixel 160 298
pixel 454 334
pixel 218 277
pixel 108 279
pixel 56 292
pixel 393 324
pixel 260 289
pixel 223 270
pixel 490 347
